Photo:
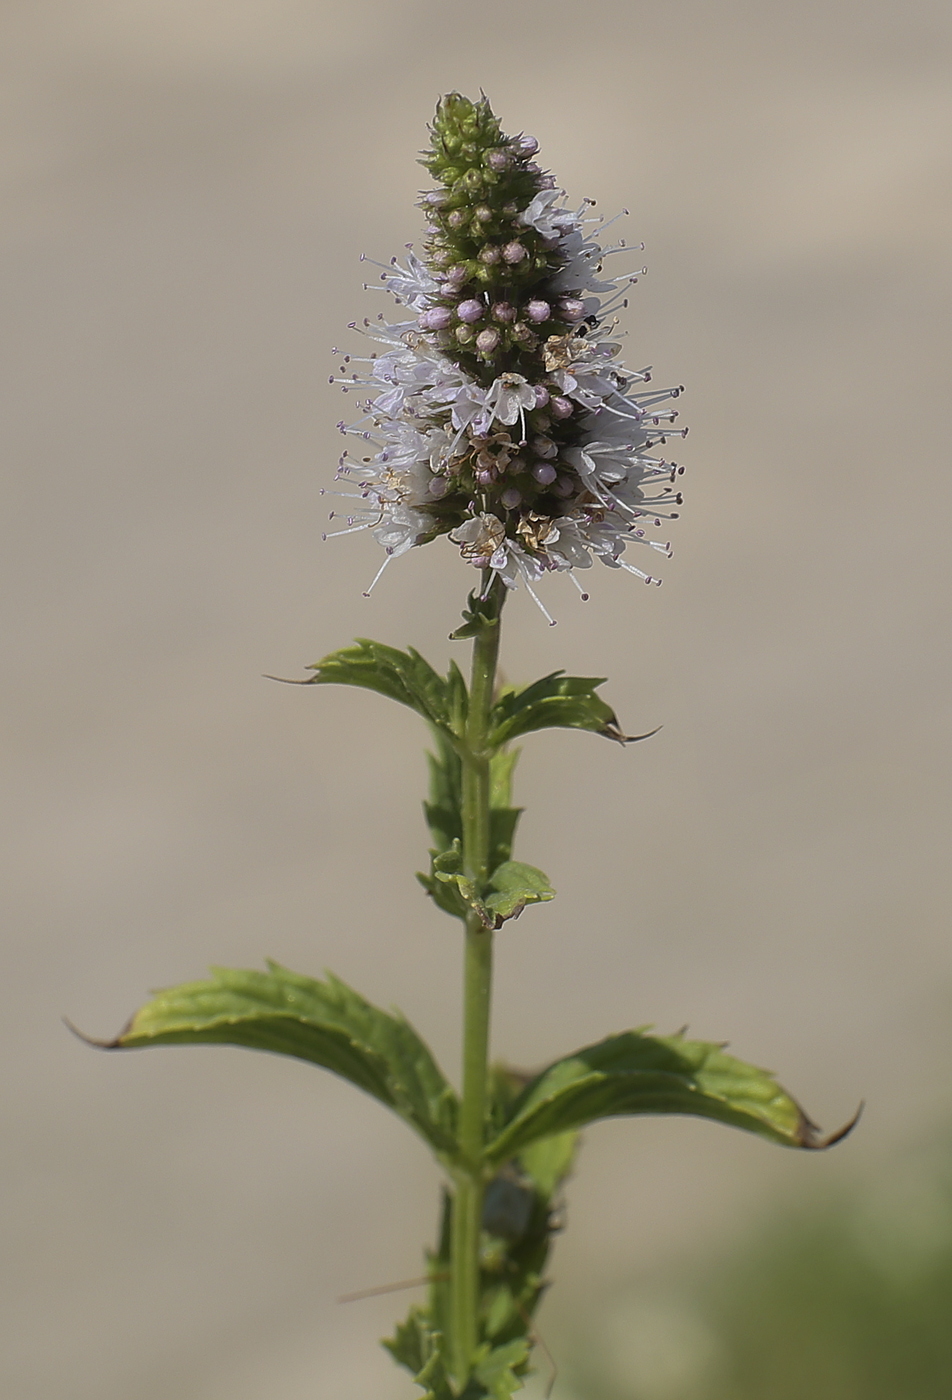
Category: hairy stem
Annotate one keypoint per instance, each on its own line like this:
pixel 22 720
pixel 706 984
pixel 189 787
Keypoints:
pixel 477 992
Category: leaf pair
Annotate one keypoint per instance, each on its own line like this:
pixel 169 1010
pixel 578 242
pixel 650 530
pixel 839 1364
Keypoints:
pixel 329 1024
pixel 556 701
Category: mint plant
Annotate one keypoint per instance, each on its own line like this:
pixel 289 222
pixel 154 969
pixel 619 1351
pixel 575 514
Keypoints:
pixel 501 416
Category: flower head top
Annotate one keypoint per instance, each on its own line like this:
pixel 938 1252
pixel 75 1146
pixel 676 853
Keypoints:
pixel 500 415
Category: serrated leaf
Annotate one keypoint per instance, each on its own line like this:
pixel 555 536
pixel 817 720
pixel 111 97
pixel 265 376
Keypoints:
pixel 419 1347
pixel 326 1023
pixel 498 1370
pixel 635 1073
pixel 556 701
pixel 401 675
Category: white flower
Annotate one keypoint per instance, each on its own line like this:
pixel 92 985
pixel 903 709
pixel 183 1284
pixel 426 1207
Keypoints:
pixel 510 398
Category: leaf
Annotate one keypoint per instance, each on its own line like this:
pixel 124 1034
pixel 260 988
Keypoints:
pixel 635 1073
pixel 512 886
pixel 515 885
pixel 444 818
pixel 480 613
pixel 401 675
pixel 556 701
pixel 497 1370
pixel 326 1023
pixel 418 1347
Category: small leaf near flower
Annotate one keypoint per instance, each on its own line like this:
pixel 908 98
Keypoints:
pixel 556 701
pixel 402 675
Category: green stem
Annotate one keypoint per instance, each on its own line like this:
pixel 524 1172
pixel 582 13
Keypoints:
pixel 477 992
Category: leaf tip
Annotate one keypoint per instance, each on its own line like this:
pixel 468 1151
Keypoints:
pixel 808 1135
pixel 114 1044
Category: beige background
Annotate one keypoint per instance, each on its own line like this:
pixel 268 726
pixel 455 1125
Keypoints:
pixel 186 188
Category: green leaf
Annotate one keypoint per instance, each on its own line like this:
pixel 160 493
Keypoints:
pixel 480 613
pixel 401 675
pixel 555 701
pixel 497 1369
pixel 326 1023
pixel 635 1073
pixel 444 818
pixel 418 1347
pixel 515 885
pixel 512 886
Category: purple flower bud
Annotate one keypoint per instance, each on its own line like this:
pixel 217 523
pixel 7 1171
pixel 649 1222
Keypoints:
pixel 511 497
pixel 544 447
pixel 565 486
pixel 513 252
pixel 487 341
pixel 470 310
pixel 438 487
pixel 436 319
pixel 502 311
pixel 572 309
pixel 482 214
pixel 456 273
pixel 542 471
pixel 484 477
pixel 561 408
pixel 541 395
pixel 489 254
pixel 538 311
pixel 457 219
pixel 497 160
pixel 435 198
pixel 528 145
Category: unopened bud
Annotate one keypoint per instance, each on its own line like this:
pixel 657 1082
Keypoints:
pixel 497 160
pixel 572 309
pixel 541 395
pixel 483 214
pixel 470 310
pixel 489 255
pixel 561 408
pixel 487 341
pixel 436 319
pixel 528 145
pixel 511 497
pixel 538 311
pixel 542 471
pixel 465 335
pixel 502 311
pixel 513 253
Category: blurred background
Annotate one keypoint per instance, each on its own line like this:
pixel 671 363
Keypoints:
pixel 187 185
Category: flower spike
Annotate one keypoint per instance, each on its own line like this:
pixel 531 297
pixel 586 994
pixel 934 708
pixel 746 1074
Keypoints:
pixel 501 415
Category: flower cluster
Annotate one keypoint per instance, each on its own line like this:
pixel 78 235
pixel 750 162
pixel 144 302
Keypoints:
pixel 500 415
